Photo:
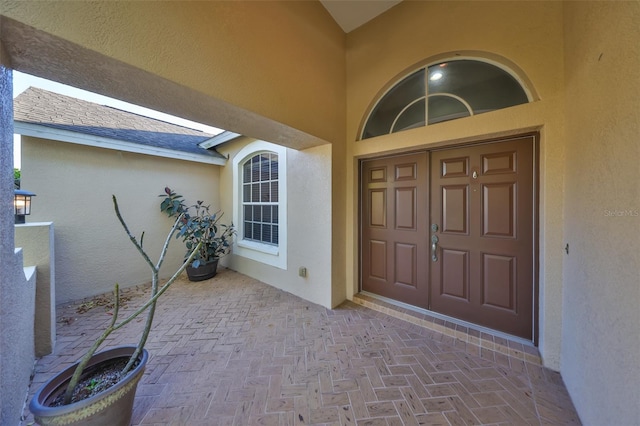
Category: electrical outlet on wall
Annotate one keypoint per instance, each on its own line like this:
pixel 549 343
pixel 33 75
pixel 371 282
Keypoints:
pixel 302 271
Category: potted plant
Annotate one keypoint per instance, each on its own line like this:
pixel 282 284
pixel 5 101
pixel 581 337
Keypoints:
pixel 100 388
pixel 199 225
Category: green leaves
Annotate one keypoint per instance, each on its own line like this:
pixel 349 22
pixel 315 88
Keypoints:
pixel 172 204
pixel 197 225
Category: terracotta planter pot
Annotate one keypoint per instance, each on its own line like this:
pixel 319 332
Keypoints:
pixel 203 272
pixel 112 407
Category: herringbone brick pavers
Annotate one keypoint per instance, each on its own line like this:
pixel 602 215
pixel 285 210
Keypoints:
pixel 235 351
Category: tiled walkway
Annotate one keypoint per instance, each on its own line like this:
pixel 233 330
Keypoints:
pixel 234 351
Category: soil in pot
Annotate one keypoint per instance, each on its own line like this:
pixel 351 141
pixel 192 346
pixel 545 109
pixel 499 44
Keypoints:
pixel 96 380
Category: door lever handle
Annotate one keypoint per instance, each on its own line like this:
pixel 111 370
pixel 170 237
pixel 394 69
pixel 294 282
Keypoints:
pixel 434 248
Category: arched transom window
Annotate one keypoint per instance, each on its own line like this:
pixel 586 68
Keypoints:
pixel 442 92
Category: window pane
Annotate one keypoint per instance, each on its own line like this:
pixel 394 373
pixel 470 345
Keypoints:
pixel 255 168
pixel 264 167
pixel 444 108
pixel 484 86
pixel 266 233
pixel 256 231
pixel 248 213
pixel 265 197
pixel 411 117
pixel 388 108
pixel 255 192
pixel 274 213
pixel 274 192
pixel 274 234
pixel 274 167
pixel 248 230
pixel 257 213
pixel 246 172
pixel 266 214
pixel 246 193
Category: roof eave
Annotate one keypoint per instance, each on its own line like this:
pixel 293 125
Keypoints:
pixel 219 139
pixel 41 131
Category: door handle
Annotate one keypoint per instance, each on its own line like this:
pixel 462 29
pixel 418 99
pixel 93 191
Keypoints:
pixel 434 248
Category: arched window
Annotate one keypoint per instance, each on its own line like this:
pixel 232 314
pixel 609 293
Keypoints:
pixel 441 92
pixel 259 203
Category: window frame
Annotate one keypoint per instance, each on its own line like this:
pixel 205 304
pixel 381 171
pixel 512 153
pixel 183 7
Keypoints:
pixel 270 254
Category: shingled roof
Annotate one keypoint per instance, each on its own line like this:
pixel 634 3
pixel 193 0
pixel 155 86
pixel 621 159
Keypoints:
pixel 40 107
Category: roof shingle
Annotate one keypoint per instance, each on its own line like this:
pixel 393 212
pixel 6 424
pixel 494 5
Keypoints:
pixel 49 109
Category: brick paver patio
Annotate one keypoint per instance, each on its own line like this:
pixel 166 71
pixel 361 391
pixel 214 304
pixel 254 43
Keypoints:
pixel 235 351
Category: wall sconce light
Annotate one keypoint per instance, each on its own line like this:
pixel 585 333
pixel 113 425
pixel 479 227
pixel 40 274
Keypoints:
pixel 22 204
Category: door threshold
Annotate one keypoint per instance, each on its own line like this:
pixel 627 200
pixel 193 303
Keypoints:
pixel 478 340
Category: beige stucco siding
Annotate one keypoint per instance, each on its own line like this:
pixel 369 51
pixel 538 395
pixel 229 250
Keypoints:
pixel 601 337
pixel 17 285
pixel 309 224
pixel 76 182
pixel 37 243
pixel 525 35
pixel 259 58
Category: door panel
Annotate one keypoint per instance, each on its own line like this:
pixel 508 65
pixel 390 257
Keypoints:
pixel 378 208
pixel 499 281
pixel 455 205
pixel 394 228
pixel 455 274
pixel 495 201
pixel 378 259
pixel 406 264
pixel 405 208
pixel 498 210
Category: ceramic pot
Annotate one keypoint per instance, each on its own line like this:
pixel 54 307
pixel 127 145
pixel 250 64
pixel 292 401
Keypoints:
pixel 111 407
pixel 204 271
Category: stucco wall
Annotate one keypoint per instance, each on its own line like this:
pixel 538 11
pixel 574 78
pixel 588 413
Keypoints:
pixel 37 243
pixel 309 224
pixel 17 285
pixel 257 59
pixel 601 333
pixel 74 185
pixel 18 288
pixel 525 35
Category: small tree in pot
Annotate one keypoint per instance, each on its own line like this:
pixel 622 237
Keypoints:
pixel 100 388
pixel 199 225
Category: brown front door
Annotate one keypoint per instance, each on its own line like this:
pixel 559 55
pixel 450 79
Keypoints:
pixel 452 230
pixel 394 202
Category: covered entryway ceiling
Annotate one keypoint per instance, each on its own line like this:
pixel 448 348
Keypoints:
pixel 350 14
pixel 43 55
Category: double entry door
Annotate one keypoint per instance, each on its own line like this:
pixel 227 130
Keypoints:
pixel 452 231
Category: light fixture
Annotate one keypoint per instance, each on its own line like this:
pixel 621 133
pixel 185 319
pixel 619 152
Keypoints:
pixel 436 76
pixel 22 204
